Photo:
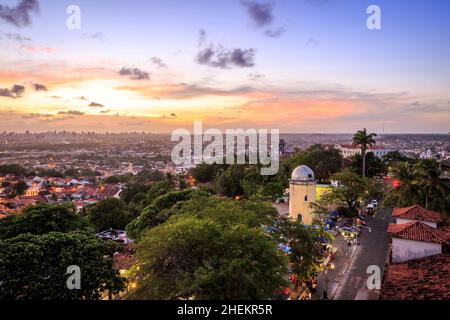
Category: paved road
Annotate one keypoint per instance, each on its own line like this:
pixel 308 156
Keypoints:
pixel 372 251
pixel 348 280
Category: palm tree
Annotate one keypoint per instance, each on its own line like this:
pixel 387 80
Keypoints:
pixel 282 147
pixel 364 141
pixel 434 189
pixel 407 192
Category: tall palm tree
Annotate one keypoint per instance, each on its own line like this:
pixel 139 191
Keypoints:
pixel 282 147
pixel 434 189
pixel 364 141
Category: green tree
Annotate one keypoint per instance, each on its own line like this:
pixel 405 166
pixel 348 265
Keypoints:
pixel 392 158
pixel 351 192
pixel 305 244
pixel 273 190
pixel 14 169
pixel 41 219
pixel 131 190
pixel 20 187
pixel 159 189
pixel 109 213
pixel 364 140
pixel 206 172
pixel 201 258
pixel 182 183
pixel 112 180
pixel 433 188
pixel 374 165
pixel 324 161
pixel 152 215
pixel 230 181
pixel 34 267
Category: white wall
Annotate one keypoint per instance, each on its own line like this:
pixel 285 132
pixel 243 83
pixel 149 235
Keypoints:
pixel 403 221
pixel 404 250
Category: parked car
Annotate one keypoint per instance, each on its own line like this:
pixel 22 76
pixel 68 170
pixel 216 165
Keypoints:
pixel 370 208
pixel 349 232
pixel 375 203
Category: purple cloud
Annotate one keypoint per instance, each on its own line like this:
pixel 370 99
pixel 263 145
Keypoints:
pixel 134 73
pixel 260 13
pixel 15 92
pixel 19 15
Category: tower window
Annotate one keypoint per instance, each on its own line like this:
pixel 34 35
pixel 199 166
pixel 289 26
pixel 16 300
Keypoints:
pixel 306 198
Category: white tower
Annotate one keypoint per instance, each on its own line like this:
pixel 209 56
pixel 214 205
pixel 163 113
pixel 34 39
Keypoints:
pixel 302 192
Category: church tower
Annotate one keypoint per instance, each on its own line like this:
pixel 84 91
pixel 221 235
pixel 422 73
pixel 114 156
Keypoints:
pixel 302 192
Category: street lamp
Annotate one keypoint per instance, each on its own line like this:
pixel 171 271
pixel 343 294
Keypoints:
pixel 331 266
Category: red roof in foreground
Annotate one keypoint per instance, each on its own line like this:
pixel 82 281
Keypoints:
pixel 418 213
pixel 417 231
pixel 421 279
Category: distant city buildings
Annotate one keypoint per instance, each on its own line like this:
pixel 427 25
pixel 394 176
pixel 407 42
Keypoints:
pixel 348 150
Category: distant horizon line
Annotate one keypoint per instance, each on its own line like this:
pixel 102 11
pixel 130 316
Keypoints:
pixel 169 133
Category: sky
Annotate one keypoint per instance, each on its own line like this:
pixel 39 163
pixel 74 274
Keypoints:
pixel 301 66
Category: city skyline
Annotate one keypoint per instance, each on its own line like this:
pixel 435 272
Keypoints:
pixel 309 66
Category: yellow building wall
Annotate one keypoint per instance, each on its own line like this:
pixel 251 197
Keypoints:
pixel 297 203
pixel 321 190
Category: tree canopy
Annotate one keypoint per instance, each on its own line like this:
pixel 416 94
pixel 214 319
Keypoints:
pixel 40 219
pixel 374 165
pixel 420 183
pixel 190 256
pixel 324 161
pixel 34 267
pixel 109 213
pixel 351 192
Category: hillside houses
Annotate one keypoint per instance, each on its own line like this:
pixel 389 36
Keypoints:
pixel 81 192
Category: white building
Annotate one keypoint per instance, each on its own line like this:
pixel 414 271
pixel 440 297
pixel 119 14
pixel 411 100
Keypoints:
pixel 348 150
pixel 414 240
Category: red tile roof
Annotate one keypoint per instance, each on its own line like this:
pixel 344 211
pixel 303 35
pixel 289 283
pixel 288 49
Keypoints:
pixel 421 279
pixel 417 231
pixel 418 213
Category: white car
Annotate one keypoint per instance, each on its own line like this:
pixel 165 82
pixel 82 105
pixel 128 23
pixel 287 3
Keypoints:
pixel 375 203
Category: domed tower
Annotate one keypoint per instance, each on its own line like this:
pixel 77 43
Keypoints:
pixel 302 192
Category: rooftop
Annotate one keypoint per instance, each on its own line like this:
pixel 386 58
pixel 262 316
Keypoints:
pixel 417 231
pixel 415 280
pixel 418 213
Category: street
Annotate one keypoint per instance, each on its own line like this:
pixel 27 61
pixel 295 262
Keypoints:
pixel 348 280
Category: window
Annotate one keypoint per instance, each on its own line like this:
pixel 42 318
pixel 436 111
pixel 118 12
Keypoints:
pixel 306 198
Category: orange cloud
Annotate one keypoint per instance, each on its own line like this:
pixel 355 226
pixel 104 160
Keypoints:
pixel 32 49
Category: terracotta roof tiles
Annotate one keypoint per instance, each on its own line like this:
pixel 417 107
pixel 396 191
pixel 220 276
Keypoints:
pixel 421 279
pixel 416 212
pixel 417 231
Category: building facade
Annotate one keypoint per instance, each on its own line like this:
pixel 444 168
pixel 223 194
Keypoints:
pixel 348 150
pixel 302 192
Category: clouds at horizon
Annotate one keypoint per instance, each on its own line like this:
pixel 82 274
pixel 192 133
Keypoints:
pixel 249 72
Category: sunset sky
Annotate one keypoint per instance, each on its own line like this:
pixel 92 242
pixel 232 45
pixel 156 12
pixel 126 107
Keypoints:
pixel 156 65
